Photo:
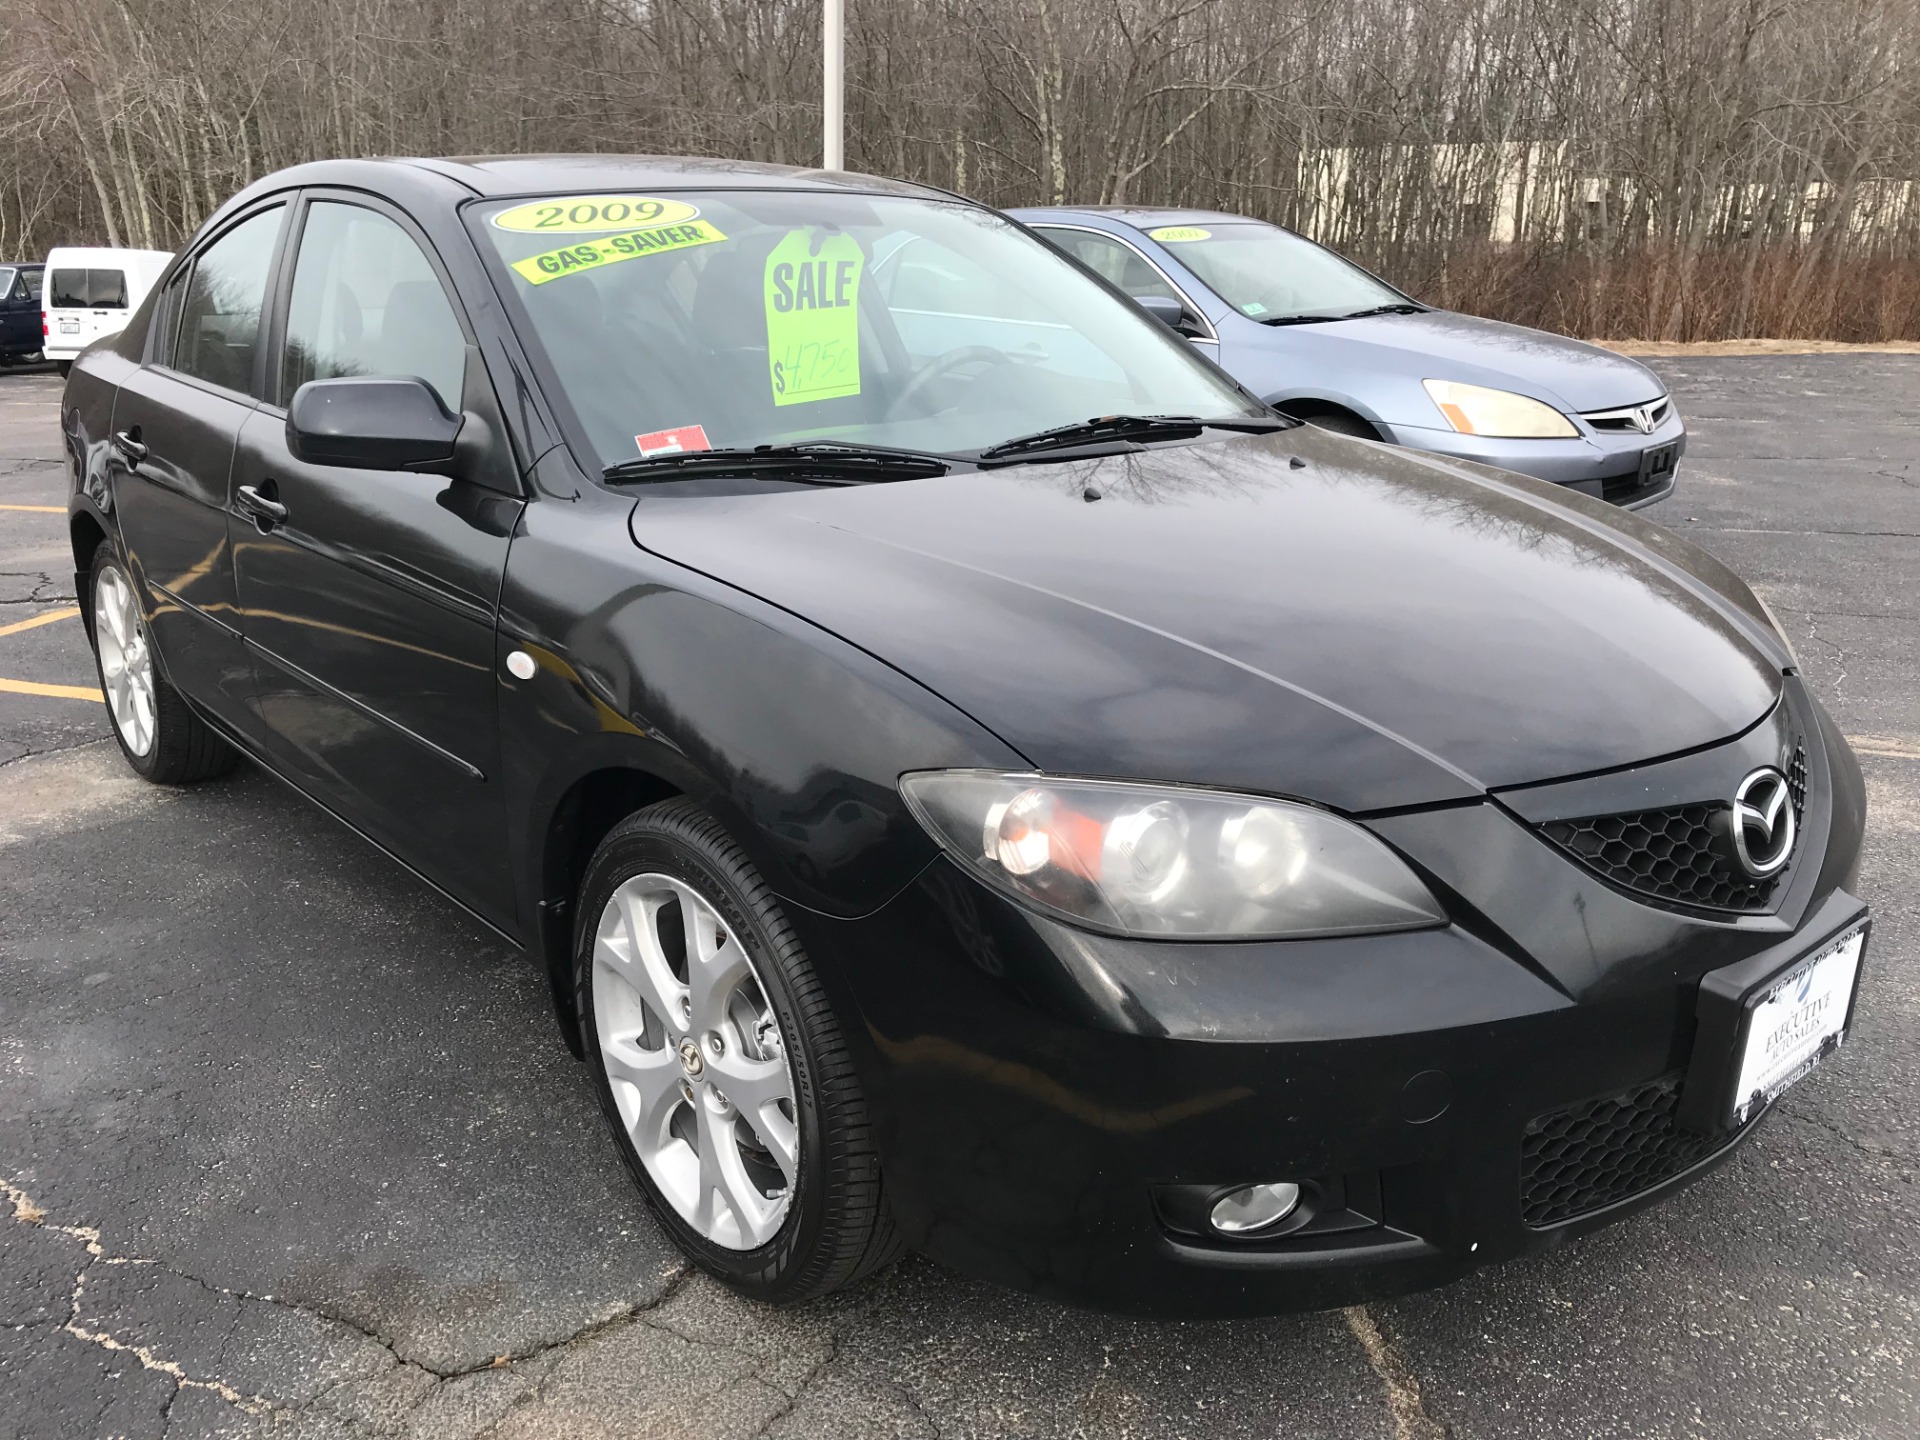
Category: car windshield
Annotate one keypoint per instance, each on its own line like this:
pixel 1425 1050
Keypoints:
pixel 691 321
pixel 1272 274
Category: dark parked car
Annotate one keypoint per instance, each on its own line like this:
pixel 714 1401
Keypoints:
pixel 20 325
pixel 1177 859
pixel 1315 335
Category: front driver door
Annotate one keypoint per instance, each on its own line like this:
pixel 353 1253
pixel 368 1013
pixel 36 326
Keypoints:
pixel 368 597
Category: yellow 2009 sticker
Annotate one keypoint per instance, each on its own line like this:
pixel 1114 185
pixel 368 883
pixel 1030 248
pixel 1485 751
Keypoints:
pixel 591 214
pixel 813 317
pixel 1174 234
pixel 590 254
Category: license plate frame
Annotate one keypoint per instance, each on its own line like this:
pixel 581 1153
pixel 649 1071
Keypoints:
pixel 1659 462
pixel 1795 1022
pixel 69 327
pixel 1728 998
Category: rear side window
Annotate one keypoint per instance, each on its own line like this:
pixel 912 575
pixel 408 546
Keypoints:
pixel 31 279
pixel 1120 264
pixel 91 289
pixel 220 315
pixel 366 302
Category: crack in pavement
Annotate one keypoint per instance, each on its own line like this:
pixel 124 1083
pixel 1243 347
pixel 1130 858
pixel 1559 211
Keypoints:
pixel 54 750
pixel 1878 1152
pixel 1411 1421
pixel 26 1211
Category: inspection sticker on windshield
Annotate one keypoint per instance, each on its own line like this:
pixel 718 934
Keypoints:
pixel 813 317
pixel 1174 234
pixel 591 214
pixel 672 442
pixel 590 254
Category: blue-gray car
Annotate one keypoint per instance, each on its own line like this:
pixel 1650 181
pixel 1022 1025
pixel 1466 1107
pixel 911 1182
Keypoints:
pixel 1317 336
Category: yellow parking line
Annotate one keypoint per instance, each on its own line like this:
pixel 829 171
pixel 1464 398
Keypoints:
pixel 39 620
pixel 38 509
pixel 53 692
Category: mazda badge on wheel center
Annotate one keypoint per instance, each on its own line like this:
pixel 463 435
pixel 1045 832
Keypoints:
pixel 974 777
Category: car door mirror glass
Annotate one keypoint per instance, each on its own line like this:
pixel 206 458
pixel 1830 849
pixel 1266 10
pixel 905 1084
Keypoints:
pixel 372 422
pixel 1168 311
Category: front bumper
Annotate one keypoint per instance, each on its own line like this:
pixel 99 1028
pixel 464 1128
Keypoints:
pixel 1048 1101
pixel 1604 466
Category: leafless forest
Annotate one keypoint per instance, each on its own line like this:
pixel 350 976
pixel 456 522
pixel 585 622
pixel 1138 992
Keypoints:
pixel 1680 169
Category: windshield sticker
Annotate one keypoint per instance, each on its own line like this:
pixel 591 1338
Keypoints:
pixel 672 442
pixel 1174 234
pixel 1254 307
pixel 589 254
pixel 813 317
pixel 591 214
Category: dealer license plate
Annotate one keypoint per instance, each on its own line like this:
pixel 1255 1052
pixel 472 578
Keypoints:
pixel 1795 1022
pixel 69 327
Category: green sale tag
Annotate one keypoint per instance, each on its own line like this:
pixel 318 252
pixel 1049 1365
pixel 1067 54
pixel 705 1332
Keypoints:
pixel 813 317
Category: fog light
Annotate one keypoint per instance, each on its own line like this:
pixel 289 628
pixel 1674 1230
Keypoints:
pixel 1254 1207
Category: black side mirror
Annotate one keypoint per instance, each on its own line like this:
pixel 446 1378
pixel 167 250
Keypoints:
pixel 1164 308
pixel 372 422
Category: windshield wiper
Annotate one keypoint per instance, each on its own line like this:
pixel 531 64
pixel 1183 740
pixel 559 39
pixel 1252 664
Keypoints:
pixel 1123 428
pixel 830 459
pixel 1302 319
pixel 1399 307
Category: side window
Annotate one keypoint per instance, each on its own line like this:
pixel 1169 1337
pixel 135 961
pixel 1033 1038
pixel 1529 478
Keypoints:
pixel 31 279
pixel 219 326
pixel 366 302
pixel 166 315
pixel 1120 264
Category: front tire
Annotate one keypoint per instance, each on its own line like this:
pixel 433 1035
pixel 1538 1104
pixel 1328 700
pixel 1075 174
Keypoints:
pixel 163 740
pixel 720 1065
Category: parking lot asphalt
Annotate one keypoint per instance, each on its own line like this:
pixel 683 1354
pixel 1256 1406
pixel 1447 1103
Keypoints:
pixel 288 1146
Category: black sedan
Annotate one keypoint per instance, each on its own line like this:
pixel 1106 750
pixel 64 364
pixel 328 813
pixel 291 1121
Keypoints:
pixel 975 778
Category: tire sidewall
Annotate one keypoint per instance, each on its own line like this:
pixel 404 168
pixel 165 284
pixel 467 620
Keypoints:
pixel 649 845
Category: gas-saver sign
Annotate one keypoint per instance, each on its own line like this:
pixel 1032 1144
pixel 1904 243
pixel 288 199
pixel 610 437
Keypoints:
pixel 813 317
pixel 591 254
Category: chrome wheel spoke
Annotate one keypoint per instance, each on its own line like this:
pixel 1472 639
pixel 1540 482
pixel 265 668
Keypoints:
pixel 716 963
pixel 731 1201
pixel 758 1089
pixel 646 1085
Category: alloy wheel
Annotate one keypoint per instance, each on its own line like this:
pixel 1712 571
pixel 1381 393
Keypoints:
pixel 696 1060
pixel 126 660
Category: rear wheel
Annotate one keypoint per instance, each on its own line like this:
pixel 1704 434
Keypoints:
pixel 162 739
pixel 720 1065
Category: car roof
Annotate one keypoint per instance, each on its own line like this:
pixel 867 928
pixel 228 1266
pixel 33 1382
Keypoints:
pixel 500 175
pixel 22 265
pixel 1140 217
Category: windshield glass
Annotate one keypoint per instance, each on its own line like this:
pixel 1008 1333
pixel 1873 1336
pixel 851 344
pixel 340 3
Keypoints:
pixel 1269 273
pixel 730 319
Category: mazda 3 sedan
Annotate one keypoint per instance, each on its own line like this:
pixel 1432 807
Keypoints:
pixel 975 777
pixel 1320 338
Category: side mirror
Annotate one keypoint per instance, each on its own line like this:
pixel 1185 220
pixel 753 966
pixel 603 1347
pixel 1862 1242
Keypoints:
pixel 1164 308
pixel 372 422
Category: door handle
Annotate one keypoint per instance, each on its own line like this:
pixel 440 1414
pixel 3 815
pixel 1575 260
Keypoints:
pixel 127 442
pixel 265 510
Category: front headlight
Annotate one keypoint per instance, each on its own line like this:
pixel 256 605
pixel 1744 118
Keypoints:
pixel 1500 414
pixel 1163 861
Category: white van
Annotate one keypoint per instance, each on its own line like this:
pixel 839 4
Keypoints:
pixel 89 292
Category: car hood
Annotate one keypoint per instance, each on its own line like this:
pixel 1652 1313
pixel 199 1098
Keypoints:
pixel 1296 613
pixel 1569 374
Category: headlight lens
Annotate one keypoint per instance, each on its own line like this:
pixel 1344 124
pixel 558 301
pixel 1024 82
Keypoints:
pixel 1163 861
pixel 1477 410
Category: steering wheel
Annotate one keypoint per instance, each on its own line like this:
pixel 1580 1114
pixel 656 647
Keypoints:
pixel 939 368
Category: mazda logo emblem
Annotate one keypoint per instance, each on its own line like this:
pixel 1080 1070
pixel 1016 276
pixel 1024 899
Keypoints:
pixel 1762 823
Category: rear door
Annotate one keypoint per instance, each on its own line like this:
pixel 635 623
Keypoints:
pixel 368 597
pixel 175 422
pixel 84 303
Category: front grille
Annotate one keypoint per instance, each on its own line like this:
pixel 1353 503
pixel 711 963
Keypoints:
pixel 1674 854
pixel 1626 420
pixel 1598 1153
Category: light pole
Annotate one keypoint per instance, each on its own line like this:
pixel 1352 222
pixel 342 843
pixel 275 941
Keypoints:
pixel 833 30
